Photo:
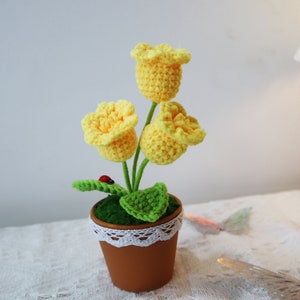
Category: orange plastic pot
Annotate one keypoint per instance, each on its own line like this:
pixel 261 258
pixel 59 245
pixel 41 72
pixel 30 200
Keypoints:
pixel 141 268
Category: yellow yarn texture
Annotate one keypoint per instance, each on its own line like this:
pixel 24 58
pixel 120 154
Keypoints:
pixel 158 70
pixel 163 53
pixel 120 149
pixel 159 147
pixel 174 120
pixel 168 137
pixel 111 129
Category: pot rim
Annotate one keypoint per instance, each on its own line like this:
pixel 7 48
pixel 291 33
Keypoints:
pixel 139 226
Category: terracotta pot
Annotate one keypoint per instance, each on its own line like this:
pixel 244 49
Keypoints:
pixel 135 267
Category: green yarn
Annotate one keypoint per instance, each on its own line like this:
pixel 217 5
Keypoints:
pixel 138 150
pixel 96 185
pixel 109 210
pixel 138 207
pixel 147 205
pixel 173 205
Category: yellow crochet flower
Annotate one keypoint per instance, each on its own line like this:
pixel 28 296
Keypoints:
pixel 121 149
pixel 158 146
pixel 166 139
pixel 174 120
pixel 111 129
pixel 158 70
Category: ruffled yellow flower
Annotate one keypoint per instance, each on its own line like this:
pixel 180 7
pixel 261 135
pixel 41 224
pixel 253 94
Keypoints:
pixel 111 129
pixel 158 70
pixel 166 139
pixel 174 120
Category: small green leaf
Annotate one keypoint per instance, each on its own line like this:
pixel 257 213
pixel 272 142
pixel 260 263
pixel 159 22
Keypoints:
pixel 96 185
pixel 147 205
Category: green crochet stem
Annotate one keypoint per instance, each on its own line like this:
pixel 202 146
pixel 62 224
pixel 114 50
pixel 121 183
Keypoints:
pixel 137 153
pixel 139 174
pixel 126 176
pixel 96 185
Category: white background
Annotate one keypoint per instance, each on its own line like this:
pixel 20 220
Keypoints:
pixel 59 59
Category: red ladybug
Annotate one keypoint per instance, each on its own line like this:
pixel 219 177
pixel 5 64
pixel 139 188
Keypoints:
pixel 106 179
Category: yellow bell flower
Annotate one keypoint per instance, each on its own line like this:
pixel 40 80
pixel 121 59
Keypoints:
pixel 174 120
pixel 158 70
pixel 111 129
pixel 158 146
pixel 166 139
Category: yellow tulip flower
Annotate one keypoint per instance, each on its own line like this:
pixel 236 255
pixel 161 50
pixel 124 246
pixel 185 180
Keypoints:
pixel 158 70
pixel 111 129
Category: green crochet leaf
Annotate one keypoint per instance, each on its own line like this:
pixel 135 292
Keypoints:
pixel 147 205
pixel 96 185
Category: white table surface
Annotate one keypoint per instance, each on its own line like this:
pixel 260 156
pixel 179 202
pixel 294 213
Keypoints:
pixel 62 260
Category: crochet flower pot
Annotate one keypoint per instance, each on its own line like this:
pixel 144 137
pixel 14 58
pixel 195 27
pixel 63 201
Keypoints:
pixel 138 228
pixel 139 257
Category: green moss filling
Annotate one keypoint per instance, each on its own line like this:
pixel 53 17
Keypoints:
pixel 109 210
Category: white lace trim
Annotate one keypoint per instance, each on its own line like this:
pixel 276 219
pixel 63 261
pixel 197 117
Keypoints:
pixel 137 237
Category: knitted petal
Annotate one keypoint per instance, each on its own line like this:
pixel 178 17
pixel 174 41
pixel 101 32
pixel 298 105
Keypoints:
pixel 121 149
pixel 159 147
pixel 174 120
pixel 163 53
pixel 147 205
pixel 110 121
